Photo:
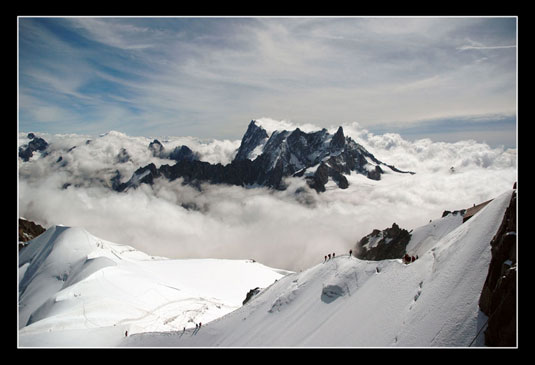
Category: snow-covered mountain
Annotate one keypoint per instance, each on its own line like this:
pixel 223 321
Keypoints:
pixel 347 302
pixel 265 160
pixel 319 156
pixel 78 290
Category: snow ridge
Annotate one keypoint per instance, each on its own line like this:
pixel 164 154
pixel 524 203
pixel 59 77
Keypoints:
pixel 347 302
pixel 71 282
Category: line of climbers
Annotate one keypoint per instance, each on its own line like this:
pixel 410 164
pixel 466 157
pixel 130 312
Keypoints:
pixel 406 258
pixel 328 257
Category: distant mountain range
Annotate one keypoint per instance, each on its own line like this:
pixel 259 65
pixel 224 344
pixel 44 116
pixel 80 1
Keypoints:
pixel 265 160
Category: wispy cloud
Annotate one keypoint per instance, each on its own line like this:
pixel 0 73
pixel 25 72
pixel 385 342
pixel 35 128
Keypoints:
pixel 474 45
pixel 464 48
pixel 209 76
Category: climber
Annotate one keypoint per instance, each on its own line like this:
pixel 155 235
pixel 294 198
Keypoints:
pixel 333 255
pixel 329 256
pixel 350 253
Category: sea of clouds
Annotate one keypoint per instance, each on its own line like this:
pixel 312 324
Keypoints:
pixel 291 229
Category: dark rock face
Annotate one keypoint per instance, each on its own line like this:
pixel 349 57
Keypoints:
pixel 251 293
pixel 36 144
pixel 455 212
pixel 116 180
pixel 264 160
pixel 389 243
pixel 498 297
pixel 122 156
pixel 178 154
pixel 254 136
pixel 156 148
pixel 338 141
pixel 28 230
pixel 145 174
pixel 183 153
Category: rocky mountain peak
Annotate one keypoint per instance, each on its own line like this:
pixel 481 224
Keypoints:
pixel 36 144
pixel 156 148
pixel 254 137
pixel 265 160
pixel 338 141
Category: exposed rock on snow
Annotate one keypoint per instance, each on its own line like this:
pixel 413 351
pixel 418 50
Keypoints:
pixel 389 243
pixel 250 294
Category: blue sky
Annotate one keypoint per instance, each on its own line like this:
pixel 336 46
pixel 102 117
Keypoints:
pixel 446 78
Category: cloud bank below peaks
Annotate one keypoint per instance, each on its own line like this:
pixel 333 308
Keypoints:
pixel 291 229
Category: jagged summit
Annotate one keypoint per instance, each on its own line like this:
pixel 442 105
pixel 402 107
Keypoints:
pixel 318 156
pixel 338 141
pixel 265 160
pixel 254 137
pixel 35 144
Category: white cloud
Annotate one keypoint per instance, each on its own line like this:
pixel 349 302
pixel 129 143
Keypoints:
pixel 115 33
pixel 474 45
pixel 464 48
pixel 279 228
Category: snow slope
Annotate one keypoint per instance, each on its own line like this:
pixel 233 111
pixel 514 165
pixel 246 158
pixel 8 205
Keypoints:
pixel 426 237
pixel 78 290
pixel 355 303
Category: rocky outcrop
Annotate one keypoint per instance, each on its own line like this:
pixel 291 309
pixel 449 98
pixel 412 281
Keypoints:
pixel 498 297
pixel 36 144
pixel 251 293
pixel 28 230
pixel 156 148
pixel 122 156
pixel 179 153
pixel 455 212
pixel 183 153
pixel 389 243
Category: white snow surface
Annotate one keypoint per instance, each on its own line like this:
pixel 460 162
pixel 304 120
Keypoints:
pixel 426 237
pixel 76 290
pixel 347 302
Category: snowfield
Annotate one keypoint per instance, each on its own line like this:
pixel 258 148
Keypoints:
pixel 347 302
pixel 77 290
